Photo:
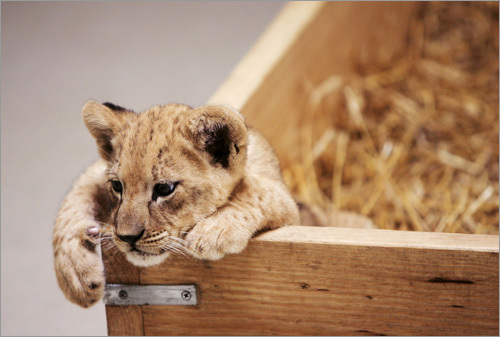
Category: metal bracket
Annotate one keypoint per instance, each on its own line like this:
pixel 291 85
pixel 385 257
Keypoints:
pixel 125 294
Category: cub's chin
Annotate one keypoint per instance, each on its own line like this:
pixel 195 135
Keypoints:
pixel 142 259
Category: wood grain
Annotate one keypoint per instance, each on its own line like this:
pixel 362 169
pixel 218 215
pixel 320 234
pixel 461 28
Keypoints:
pixel 307 43
pixel 383 238
pixel 334 282
pixel 122 320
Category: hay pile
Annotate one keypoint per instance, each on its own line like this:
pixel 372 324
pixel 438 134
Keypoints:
pixel 414 145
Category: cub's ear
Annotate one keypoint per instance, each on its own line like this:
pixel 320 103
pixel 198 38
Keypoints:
pixel 103 122
pixel 221 132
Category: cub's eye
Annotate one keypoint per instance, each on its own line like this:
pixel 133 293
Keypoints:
pixel 163 189
pixel 117 186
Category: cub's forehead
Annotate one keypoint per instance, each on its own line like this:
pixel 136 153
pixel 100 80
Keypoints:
pixel 150 144
pixel 161 118
pixel 152 127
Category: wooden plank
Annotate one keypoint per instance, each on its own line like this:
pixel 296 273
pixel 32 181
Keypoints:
pixel 307 43
pixel 383 238
pixel 337 281
pixel 123 320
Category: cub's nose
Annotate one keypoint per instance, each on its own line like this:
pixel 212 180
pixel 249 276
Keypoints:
pixel 131 239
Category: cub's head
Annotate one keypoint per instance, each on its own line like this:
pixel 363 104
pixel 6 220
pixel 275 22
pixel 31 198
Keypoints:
pixel 168 168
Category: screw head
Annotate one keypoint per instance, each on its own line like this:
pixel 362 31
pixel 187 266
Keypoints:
pixel 122 294
pixel 186 295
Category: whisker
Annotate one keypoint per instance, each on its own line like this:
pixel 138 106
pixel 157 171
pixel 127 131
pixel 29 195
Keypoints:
pixel 114 251
pixel 102 222
pixel 179 248
pixel 175 247
pixel 105 237
pixel 107 247
pixel 199 235
pixel 109 155
pixel 107 243
pixel 179 240
pixel 176 250
pixel 187 251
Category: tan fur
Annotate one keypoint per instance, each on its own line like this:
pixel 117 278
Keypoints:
pixel 224 193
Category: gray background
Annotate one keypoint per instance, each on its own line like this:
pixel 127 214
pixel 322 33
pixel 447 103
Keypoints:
pixel 54 57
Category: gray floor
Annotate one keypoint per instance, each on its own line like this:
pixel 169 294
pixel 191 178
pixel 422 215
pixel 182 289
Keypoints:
pixel 57 55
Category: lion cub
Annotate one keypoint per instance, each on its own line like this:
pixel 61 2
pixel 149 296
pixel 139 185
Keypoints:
pixel 172 179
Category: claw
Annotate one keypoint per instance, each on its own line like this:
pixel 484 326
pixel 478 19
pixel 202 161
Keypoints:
pixel 93 231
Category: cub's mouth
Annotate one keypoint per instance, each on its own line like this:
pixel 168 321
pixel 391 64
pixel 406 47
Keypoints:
pixel 141 258
pixel 143 253
pixel 149 248
pixel 140 252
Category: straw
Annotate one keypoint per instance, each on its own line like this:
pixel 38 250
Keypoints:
pixel 412 144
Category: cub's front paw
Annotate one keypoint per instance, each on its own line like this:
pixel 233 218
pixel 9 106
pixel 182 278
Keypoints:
pixel 211 239
pixel 79 269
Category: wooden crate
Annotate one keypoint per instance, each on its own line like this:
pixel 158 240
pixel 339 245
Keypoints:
pixel 310 280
